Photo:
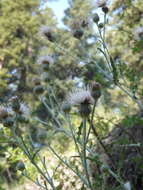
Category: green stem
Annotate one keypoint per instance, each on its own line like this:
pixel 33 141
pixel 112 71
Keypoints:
pixel 44 165
pixel 66 164
pixel 24 148
pixel 92 116
pixel 74 138
pixel 37 183
pixel 41 172
pixel 140 105
pixel 104 27
pixel 106 55
pixel 105 49
pixel 101 143
pixel 84 154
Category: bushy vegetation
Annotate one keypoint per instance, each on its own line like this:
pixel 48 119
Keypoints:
pixel 71 97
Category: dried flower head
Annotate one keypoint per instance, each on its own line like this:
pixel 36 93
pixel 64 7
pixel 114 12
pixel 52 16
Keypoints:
pixel 95 89
pixel 18 107
pixel 45 60
pixel 24 110
pixel 5 111
pixel 47 32
pixel 66 107
pixel 83 99
pixel 36 81
pixel 77 97
pixel 138 33
pixel 96 18
pixel 79 23
pixel 15 103
pixel 39 89
pixel 101 3
pixel 8 122
pixel 101 25
pixel 20 165
pixel 105 9
pixel 78 33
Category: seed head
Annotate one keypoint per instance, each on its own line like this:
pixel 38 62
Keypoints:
pixel 38 89
pixel 84 23
pixel 66 107
pixel 3 112
pixel 47 32
pixel 138 33
pixel 22 119
pixel 78 33
pixel 105 9
pixel 8 122
pixel 101 3
pixel 24 110
pixel 84 110
pixel 95 88
pixel 96 18
pixel 81 96
pixel 45 60
pixel 79 23
pixel 100 25
pixel 20 166
pixel 15 103
pixel 83 99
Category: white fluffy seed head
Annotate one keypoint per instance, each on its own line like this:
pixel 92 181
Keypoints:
pixel 24 110
pixel 138 33
pixel 77 97
pixel 44 30
pixel 45 59
pixel 5 111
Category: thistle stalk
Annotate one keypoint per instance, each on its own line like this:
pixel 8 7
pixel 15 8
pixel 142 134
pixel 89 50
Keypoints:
pixel 84 153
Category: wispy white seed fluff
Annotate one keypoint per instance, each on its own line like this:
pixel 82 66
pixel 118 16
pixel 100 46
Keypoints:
pixel 24 110
pixel 79 96
pixel 138 33
pixel 44 30
pixel 45 59
pixel 5 111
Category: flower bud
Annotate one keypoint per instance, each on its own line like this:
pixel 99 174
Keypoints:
pixel 8 122
pixel 84 110
pixel 20 166
pixel 50 36
pixel 96 18
pixel 95 90
pixel 66 107
pixel 3 113
pixel 84 23
pixel 105 9
pixel 48 33
pixel 38 89
pixel 78 33
pixel 45 67
pixel 100 25
pixel 15 104
pixel 22 119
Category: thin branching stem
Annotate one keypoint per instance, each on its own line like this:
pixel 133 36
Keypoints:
pixel 101 143
pixel 92 116
pixel 74 138
pixel 38 184
pixel 68 165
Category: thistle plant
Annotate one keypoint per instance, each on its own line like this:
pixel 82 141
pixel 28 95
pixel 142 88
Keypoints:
pixel 80 101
